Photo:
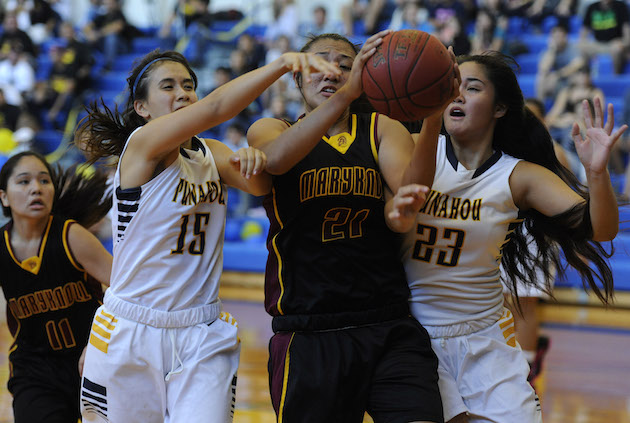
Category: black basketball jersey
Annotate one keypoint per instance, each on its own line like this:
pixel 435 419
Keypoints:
pixel 332 259
pixel 51 300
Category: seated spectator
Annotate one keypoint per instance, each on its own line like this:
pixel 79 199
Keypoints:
pixel 441 11
pixel 78 57
pixel 16 126
pixel 453 34
pixel 558 62
pixel 319 24
pixel 12 35
pixel 62 88
pixel 285 23
pixel 278 108
pixel 110 32
pixel 562 10
pixel 489 32
pixel 17 76
pixel 44 21
pixel 369 12
pixel 538 108
pixel 567 108
pixel 253 50
pixel 410 14
pixel 606 30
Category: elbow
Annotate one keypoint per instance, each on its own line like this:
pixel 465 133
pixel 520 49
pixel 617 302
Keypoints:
pixel 605 235
pixel 276 166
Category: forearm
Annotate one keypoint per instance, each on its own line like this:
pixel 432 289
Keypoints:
pixel 421 168
pixel 603 206
pixel 298 140
pixel 229 99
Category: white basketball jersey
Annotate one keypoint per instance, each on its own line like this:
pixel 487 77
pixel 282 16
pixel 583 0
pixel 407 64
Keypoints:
pixel 168 235
pixel 452 257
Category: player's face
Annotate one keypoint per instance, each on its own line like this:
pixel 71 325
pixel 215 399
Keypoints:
pixel 170 87
pixel 473 112
pixel 30 190
pixel 320 88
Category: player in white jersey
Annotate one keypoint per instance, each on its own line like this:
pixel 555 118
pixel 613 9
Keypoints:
pixel 160 348
pixel 470 223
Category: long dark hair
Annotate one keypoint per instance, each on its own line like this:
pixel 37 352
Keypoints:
pixel 104 132
pixel 78 195
pixel 521 134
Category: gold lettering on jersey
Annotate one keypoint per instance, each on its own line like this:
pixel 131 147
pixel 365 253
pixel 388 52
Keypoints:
pixel 445 206
pixel 330 181
pixel 49 300
pixel 189 194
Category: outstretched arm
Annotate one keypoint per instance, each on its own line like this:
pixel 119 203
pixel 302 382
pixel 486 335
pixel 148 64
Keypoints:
pixel 166 133
pixel 594 151
pixel 534 186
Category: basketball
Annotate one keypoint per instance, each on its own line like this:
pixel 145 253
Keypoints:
pixel 410 75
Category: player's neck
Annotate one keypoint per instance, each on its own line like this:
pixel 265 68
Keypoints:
pixel 342 125
pixel 470 154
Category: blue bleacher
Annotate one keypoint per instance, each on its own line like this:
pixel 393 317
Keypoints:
pixel 612 85
pixel 46 141
pixel 528 63
pixel 528 85
pixel 111 81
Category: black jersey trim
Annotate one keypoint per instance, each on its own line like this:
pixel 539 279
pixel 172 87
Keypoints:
pixel 452 158
pixel 128 201
pixel 197 145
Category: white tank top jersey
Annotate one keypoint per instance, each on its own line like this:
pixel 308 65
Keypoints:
pixel 168 234
pixel 452 258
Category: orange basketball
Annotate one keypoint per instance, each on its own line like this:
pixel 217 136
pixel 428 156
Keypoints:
pixel 410 75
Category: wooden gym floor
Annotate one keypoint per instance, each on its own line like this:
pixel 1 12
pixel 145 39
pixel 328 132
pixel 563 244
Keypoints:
pixel 586 378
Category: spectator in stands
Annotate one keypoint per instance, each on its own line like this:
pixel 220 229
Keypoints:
pixel 63 85
pixel 286 21
pixel 567 108
pixel 452 34
pixel 253 50
pixel 410 14
pixel 277 107
pixel 319 24
pixel 441 11
pixel 12 35
pixel 19 122
pixel 606 30
pixel 44 21
pixel 110 32
pixel 489 32
pixel 558 62
pixel 562 10
pixel 78 57
pixel 17 76
pixel 625 148
pixel 370 12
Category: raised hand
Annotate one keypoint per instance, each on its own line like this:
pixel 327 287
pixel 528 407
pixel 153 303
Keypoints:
pixel 251 160
pixel 404 206
pixel 594 148
pixel 354 84
pixel 308 63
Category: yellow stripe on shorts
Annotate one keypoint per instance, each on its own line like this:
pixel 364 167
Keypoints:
pixel 102 328
pixel 506 323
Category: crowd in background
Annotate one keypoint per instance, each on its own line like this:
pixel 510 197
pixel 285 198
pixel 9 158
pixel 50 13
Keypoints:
pixel 51 65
